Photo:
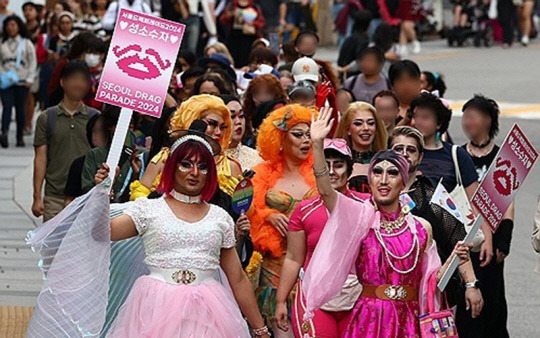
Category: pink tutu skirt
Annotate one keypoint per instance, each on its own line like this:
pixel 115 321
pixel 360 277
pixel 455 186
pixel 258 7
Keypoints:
pixel 156 309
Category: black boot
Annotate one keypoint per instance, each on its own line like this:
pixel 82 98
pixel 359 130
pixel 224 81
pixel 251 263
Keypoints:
pixel 20 143
pixel 4 141
pixel 452 36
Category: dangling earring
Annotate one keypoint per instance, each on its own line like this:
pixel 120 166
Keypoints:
pixel 437 138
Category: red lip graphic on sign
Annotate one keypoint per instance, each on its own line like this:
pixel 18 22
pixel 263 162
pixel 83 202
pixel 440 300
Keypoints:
pixel 140 67
pixel 505 177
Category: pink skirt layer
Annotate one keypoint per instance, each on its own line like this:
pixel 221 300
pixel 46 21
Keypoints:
pixel 155 309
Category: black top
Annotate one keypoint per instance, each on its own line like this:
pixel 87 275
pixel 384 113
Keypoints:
pixel 438 164
pixel 447 230
pixel 482 163
pixel 73 184
pixel 351 48
pixel 270 11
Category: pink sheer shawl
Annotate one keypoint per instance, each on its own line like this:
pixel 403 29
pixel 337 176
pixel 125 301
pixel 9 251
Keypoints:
pixel 338 248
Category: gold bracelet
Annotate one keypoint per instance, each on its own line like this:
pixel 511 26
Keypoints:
pixel 322 173
pixel 260 331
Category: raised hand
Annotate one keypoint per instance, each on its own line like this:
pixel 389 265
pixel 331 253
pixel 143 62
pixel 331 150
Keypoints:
pixel 321 124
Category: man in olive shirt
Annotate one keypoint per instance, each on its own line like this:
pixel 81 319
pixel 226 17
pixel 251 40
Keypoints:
pixel 60 138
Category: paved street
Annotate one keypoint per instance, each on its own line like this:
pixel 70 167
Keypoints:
pixel 509 76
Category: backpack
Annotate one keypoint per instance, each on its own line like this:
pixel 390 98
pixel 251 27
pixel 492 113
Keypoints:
pixel 51 120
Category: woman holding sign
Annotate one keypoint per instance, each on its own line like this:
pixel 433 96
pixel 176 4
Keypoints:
pixel 186 240
pixel 279 184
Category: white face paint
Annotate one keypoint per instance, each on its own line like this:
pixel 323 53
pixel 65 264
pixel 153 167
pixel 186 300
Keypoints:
pixel 338 172
pixel 386 183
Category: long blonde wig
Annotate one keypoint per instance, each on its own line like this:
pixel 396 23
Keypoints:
pixel 380 140
pixel 198 107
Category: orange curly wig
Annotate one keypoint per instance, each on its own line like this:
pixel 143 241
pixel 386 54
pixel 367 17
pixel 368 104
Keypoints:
pixel 266 238
pixel 270 138
pixel 199 106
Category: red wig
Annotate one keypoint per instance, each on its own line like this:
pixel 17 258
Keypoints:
pixel 188 150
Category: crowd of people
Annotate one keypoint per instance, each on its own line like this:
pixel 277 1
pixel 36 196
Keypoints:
pixel 487 21
pixel 342 239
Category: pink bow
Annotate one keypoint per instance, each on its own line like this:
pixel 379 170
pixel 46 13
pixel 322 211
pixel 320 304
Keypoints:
pixel 339 145
pixel 435 93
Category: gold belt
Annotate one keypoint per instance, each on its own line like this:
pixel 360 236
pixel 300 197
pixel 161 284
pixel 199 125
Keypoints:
pixel 403 293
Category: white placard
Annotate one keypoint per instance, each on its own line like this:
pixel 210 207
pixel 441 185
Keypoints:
pixel 118 141
pixel 455 261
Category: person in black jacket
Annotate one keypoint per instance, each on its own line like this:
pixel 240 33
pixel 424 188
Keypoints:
pixel 357 41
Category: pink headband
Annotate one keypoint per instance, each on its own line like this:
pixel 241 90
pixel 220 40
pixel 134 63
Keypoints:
pixel 339 145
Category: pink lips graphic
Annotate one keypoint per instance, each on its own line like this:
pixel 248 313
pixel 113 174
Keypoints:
pixel 127 63
pixel 505 177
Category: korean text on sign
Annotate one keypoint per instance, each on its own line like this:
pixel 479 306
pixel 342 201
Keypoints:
pixel 140 62
pixel 504 178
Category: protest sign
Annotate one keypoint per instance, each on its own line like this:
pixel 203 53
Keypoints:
pixel 455 260
pixel 138 70
pixel 504 177
pixel 140 62
pixel 502 181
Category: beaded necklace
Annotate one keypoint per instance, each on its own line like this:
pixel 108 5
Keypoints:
pixel 402 229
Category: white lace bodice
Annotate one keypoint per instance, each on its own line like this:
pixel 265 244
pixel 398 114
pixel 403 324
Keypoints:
pixel 171 243
pixel 246 156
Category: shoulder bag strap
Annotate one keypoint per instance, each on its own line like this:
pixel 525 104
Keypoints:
pixel 51 122
pixel 456 164
pixel 19 53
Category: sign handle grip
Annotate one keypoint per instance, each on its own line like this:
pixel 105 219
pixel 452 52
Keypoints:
pixel 455 260
pixel 118 141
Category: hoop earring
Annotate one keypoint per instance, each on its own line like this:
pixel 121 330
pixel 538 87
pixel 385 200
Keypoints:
pixel 437 138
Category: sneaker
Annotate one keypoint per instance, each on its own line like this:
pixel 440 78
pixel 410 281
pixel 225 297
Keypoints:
pixel 4 140
pixel 416 48
pixel 20 143
pixel 525 40
pixel 402 51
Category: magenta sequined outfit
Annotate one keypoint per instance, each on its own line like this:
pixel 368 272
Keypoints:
pixel 384 318
pixel 351 236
